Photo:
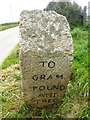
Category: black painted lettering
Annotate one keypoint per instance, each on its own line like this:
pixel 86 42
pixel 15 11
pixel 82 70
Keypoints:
pixel 35 77
pixel 42 77
pixel 51 64
pixel 55 94
pixel 50 77
pixel 59 76
pixel 49 100
pixel 43 63
pixel 62 87
pixel 54 100
pixel 34 88
pixel 48 94
pixel 49 88
pixel 41 88
pixel 56 87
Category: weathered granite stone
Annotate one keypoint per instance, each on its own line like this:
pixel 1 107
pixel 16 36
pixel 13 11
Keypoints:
pixel 45 56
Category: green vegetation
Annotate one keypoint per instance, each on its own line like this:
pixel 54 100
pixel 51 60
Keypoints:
pixel 75 14
pixel 12 59
pixel 7 26
pixel 75 101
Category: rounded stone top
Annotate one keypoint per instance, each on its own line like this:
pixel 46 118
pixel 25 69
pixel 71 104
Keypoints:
pixel 45 31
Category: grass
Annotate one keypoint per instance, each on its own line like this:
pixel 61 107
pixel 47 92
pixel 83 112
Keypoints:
pixel 75 101
pixel 4 27
pixel 12 59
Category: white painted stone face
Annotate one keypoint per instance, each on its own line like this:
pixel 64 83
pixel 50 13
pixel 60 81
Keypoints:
pixel 46 50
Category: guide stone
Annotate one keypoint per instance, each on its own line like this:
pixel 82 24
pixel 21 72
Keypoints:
pixel 46 50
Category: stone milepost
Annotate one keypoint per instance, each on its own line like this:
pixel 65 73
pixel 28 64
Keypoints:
pixel 46 50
